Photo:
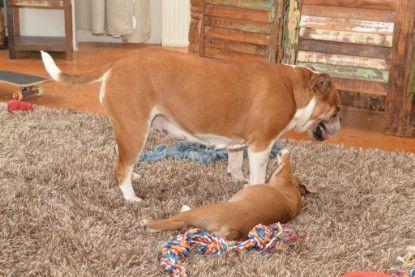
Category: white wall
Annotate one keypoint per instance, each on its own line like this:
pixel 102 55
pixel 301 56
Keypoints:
pixel 38 22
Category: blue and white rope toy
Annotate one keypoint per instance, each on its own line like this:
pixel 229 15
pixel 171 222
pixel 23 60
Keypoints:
pixel 188 150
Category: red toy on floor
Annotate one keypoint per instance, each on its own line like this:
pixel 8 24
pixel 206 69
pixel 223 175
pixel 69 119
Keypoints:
pixel 15 105
pixel 366 274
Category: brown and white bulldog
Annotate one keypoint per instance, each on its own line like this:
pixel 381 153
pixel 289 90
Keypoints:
pixel 221 104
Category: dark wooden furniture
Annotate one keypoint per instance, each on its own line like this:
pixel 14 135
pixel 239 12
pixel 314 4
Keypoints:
pixel 18 43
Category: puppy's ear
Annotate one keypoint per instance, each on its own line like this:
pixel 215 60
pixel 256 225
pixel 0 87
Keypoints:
pixel 320 81
pixel 305 189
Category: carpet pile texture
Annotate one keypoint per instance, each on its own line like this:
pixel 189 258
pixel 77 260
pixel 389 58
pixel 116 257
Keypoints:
pixel 62 213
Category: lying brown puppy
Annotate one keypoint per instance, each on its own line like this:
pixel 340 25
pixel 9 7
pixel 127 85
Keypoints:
pixel 280 200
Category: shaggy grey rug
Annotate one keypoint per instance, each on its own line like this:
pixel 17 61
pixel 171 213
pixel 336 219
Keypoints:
pixel 62 214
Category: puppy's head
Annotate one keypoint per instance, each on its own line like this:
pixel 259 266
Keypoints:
pixel 283 177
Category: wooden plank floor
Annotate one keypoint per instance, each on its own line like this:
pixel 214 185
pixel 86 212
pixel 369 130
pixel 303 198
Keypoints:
pixel 360 128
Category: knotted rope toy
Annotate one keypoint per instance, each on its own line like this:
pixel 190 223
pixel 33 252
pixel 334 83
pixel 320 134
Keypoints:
pixel 195 151
pixel 262 238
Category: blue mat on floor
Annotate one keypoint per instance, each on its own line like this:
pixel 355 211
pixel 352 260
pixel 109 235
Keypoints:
pixel 194 151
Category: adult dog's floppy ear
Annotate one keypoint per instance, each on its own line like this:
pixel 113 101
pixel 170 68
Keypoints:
pixel 320 81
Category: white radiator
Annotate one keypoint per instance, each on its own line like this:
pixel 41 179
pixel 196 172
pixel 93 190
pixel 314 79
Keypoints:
pixel 175 16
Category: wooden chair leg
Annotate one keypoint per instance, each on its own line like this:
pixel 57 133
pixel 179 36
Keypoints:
pixel 68 29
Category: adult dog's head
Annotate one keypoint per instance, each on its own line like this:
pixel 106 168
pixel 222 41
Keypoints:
pixel 324 105
pixel 327 113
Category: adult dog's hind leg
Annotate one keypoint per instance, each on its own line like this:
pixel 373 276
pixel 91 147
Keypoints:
pixel 125 163
pixel 130 107
pixel 131 137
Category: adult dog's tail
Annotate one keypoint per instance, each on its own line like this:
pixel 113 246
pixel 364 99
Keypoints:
pixel 93 76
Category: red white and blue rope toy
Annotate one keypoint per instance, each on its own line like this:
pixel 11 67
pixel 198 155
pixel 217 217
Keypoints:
pixel 262 238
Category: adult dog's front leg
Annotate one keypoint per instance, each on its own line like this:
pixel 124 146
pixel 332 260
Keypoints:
pixel 258 165
pixel 235 161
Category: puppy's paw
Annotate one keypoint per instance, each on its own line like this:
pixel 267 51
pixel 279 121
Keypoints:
pixel 281 153
pixel 185 208
pixel 145 225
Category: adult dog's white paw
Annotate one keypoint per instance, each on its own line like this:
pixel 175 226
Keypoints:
pixel 237 177
pixel 133 199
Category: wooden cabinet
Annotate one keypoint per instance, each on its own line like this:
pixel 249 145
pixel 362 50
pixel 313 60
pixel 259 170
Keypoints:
pixel 19 43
